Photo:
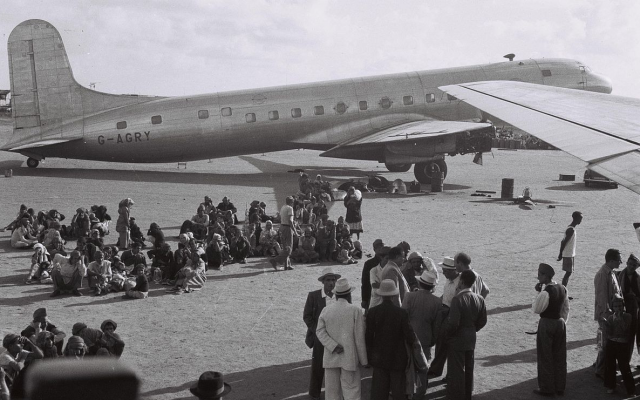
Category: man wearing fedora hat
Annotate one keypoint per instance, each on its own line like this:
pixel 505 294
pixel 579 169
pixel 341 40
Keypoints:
pixel 467 316
pixel 316 302
pixel 552 303
pixel 211 385
pixel 341 331
pixel 391 270
pixel 387 335
pixel 423 308
pixel 448 292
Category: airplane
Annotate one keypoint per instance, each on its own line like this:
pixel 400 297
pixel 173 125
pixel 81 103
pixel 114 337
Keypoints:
pixel 398 119
pixel 603 130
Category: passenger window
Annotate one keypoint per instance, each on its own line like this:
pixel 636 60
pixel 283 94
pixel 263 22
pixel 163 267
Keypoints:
pixel 273 115
pixel 318 110
pixel 431 97
pixel 407 100
pixel 156 119
pixel 385 103
pixel 121 125
pixel 546 72
pixel 250 117
pixel 226 112
pixel 341 108
pixel 451 98
pixel 296 112
pixel 203 114
pixel 363 105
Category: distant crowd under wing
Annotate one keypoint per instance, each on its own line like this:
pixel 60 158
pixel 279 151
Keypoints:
pixel 400 119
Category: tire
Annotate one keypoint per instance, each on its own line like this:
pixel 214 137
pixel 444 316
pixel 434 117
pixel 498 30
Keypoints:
pixel 32 162
pixel 398 167
pixel 443 166
pixel 422 171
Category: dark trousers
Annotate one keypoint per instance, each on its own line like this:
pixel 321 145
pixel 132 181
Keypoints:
pixel 459 374
pixel 385 380
pixel 617 351
pixel 551 346
pixel 317 371
pixel 58 281
pixel 442 348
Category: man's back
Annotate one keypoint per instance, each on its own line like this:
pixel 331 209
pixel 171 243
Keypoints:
pixel 467 315
pixel 423 307
pixel 342 323
pixel 387 330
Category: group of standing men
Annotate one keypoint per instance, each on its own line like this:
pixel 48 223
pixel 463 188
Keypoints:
pixel 394 330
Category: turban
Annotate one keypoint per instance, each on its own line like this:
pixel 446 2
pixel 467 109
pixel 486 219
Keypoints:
pixel 546 269
pixel 75 342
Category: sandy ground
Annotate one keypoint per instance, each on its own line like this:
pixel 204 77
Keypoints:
pixel 247 322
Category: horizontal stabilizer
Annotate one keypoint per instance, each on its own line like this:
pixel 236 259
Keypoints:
pixel 39 144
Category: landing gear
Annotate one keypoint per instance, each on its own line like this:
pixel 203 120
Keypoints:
pixel 32 162
pixel 398 167
pixel 424 171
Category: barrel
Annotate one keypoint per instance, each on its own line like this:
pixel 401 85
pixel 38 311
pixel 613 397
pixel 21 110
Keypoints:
pixel 566 177
pixel 437 180
pixel 8 173
pixel 507 188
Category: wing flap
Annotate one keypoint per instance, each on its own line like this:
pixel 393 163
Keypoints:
pixel 624 169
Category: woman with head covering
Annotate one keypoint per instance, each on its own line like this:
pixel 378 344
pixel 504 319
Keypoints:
pixel 123 223
pixel 353 203
pixel 111 340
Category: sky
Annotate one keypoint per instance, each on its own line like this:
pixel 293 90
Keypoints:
pixel 174 48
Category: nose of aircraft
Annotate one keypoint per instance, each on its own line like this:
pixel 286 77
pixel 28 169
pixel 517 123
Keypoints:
pixel 599 83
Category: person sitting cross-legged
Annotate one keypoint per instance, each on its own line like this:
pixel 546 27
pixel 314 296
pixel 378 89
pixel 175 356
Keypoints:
pixel 141 289
pixel 193 273
pixel 269 240
pixel 67 273
pixel 21 237
pixel 99 274
pixel 239 246
pixel 305 252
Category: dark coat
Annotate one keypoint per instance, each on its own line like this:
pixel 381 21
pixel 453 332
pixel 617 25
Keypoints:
pixel 353 209
pixel 388 331
pixel 312 309
pixel 467 315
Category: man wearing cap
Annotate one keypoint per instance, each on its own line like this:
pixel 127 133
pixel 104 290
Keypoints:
pixel 67 273
pixel 606 287
pixel 12 360
pixel 467 316
pixel 448 292
pixel 391 270
pixel 365 289
pixel 552 303
pixel 568 247
pixel 41 323
pixel 316 302
pixel 630 288
pixel 375 276
pixel 463 263
pixel 388 332
pixel 414 266
pixel 423 308
pixel 341 331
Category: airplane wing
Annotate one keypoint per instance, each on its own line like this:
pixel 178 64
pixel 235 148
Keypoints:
pixel 405 138
pixel 601 129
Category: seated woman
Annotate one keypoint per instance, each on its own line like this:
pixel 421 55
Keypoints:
pixel 141 288
pixel 101 227
pixel 21 237
pixel 80 223
pixel 155 235
pixel 57 247
pixel 111 340
pixel 344 256
pixel 135 232
pixel 162 263
pixel 48 235
pixel 119 276
pixel 305 253
pixel 269 241
pixel 193 273
pixel 40 261
pixel 216 252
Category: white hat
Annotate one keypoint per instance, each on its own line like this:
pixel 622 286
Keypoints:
pixel 447 263
pixel 343 287
pixel 387 288
pixel 328 271
pixel 428 278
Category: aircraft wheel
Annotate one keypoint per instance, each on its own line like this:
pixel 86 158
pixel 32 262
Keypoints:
pixel 32 162
pixel 422 172
pixel 442 165
pixel 398 167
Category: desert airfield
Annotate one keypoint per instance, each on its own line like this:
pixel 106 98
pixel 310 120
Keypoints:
pixel 247 321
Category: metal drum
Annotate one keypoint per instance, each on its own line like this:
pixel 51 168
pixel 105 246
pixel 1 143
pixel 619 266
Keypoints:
pixel 437 181
pixel 507 188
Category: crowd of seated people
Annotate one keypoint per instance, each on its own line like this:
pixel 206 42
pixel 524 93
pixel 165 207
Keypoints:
pixel 42 340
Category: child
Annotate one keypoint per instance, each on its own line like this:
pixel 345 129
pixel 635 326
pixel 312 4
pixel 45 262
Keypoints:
pixel 344 257
pixel 618 327
pixel 141 288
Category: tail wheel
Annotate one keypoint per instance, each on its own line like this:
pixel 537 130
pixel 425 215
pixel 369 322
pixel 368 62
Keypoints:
pixel 32 162
pixel 398 167
pixel 424 171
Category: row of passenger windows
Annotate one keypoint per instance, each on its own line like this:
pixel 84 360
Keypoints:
pixel 340 108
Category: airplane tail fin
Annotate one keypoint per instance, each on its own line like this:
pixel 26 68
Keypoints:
pixel 44 92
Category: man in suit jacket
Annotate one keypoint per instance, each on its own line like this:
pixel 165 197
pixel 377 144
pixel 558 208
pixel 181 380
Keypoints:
pixel 341 331
pixel 316 302
pixel 388 333
pixel 467 316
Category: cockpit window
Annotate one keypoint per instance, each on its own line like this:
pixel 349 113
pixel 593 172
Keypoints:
pixel 546 72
